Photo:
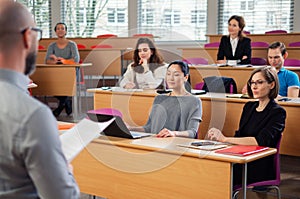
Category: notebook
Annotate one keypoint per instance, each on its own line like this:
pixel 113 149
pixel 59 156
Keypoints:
pixel 205 145
pixel 242 150
pixel 117 128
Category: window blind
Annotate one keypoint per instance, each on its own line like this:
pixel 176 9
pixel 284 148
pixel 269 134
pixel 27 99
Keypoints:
pixel 260 15
pixel 41 12
pixel 89 18
pixel 173 20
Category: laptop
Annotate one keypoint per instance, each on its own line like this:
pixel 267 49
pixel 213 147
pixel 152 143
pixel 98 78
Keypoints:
pixel 117 128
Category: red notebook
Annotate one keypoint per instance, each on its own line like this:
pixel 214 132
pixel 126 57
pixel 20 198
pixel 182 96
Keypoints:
pixel 242 150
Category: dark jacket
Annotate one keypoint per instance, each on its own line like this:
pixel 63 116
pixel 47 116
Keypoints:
pixel 266 127
pixel 243 49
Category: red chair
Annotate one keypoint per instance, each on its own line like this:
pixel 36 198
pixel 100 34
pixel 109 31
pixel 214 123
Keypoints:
pixel 259 44
pixel 276 32
pixel 81 46
pixel 211 45
pixel 102 46
pixel 258 61
pixel 294 44
pixel 107 36
pixel 107 111
pixel 196 60
pixel 292 62
pixel 41 47
pixel 246 32
pixel 269 184
pixel 143 35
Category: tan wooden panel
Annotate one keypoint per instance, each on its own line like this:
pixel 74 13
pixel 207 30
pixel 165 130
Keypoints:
pixel 54 81
pixel 106 170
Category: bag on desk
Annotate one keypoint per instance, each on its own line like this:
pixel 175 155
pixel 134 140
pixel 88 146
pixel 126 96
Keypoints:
pixel 219 84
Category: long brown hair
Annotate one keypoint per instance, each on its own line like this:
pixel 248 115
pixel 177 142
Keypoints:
pixel 242 24
pixel 155 61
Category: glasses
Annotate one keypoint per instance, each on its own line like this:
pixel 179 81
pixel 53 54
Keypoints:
pixel 143 49
pixel 256 83
pixel 39 32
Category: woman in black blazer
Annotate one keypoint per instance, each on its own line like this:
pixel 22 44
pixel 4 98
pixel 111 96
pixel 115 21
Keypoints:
pixel 262 123
pixel 235 46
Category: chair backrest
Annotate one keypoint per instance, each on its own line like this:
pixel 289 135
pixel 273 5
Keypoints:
pixel 143 35
pixel 213 44
pixel 259 44
pixel 292 62
pixel 107 111
pixel 102 46
pixel 246 32
pixel 276 32
pixel 218 84
pixel 196 60
pixel 294 44
pixel 81 46
pixel 107 36
pixel 258 61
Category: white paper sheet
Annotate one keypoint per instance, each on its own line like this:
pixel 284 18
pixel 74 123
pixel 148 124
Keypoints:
pixel 74 140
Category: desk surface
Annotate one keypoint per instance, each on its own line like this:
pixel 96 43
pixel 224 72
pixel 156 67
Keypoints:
pixel 122 168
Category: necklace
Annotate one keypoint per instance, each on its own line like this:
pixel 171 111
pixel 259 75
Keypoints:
pixel 185 93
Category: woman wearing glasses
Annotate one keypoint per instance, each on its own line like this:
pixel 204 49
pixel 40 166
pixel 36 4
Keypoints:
pixel 63 51
pixel 148 68
pixel 261 123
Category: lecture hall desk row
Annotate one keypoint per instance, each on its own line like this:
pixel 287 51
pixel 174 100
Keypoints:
pixel 239 74
pixel 211 53
pixel 218 111
pixel 286 38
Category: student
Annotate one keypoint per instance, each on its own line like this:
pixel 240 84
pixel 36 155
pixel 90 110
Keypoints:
pixel 32 164
pixel 178 113
pixel 235 46
pixel 262 123
pixel 288 80
pixel 61 51
pixel 148 68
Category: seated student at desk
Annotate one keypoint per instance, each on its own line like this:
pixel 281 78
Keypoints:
pixel 262 123
pixel 59 52
pixel 178 113
pixel 148 69
pixel 235 46
pixel 288 80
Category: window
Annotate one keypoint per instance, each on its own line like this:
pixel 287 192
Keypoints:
pixel 41 12
pixel 89 18
pixel 260 16
pixel 171 20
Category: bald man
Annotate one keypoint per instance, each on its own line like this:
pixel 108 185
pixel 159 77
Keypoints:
pixel 32 164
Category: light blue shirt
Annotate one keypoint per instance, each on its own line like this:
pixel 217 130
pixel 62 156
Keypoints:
pixel 32 164
pixel 287 79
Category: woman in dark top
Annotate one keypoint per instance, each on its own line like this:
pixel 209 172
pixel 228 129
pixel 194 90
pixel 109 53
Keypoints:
pixel 261 123
pixel 235 46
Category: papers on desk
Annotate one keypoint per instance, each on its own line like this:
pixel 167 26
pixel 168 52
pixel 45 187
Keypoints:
pixel 238 95
pixel 74 140
pixel 120 89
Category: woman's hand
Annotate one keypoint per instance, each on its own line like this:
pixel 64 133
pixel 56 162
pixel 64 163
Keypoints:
pixel 129 85
pixel 221 61
pixel 166 133
pixel 215 134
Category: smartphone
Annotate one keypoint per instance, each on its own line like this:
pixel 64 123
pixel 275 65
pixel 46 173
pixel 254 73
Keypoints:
pixel 205 143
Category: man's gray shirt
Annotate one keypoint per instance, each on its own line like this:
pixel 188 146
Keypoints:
pixel 32 164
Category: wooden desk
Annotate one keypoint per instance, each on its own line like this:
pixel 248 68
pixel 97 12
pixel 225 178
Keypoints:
pixel 154 167
pixel 239 74
pixel 218 111
pixel 58 80
pixel 269 38
pixel 211 53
